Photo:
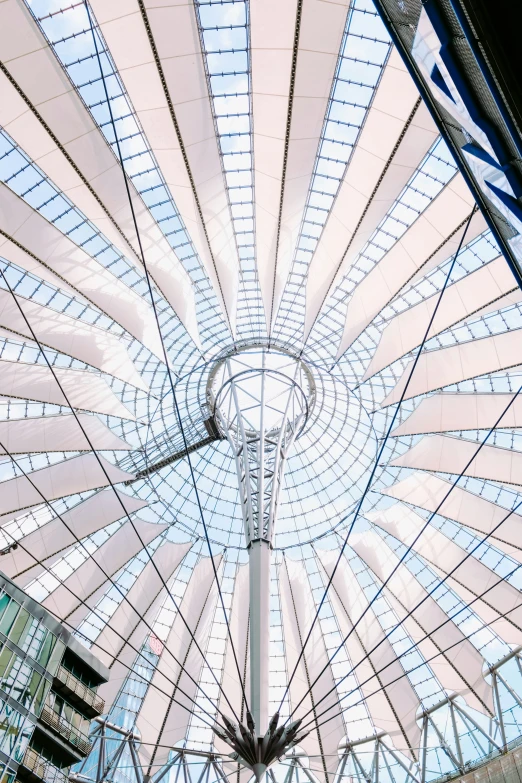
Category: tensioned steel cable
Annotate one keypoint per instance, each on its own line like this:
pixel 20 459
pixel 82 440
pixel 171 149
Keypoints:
pixel 378 457
pixel 167 364
pixel 19 544
pixel 429 594
pixel 411 545
pixel 108 478
pixel 112 485
pixel 500 616
pixel 323 136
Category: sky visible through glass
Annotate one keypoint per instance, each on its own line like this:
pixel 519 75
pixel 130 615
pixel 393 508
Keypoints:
pixel 334 455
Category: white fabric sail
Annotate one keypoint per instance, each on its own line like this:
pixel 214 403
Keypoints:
pixel 270 171
pixel 76 156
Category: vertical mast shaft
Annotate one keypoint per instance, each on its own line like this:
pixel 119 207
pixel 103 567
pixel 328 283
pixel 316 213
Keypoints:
pixel 259 554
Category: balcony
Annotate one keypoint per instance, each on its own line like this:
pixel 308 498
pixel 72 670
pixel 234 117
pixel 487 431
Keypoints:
pixel 35 767
pixel 76 692
pixel 65 730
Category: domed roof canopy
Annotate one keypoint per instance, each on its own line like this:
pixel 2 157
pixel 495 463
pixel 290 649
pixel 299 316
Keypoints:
pixel 246 296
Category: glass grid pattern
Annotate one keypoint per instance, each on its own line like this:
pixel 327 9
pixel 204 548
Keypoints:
pixel 330 467
pixel 138 159
pixel 364 52
pixel 225 31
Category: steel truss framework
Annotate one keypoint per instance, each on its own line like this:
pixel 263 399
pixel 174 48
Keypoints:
pixel 116 750
pixel 117 758
pixel 107 352
pixel 261 408
pixel 446 730
pixel 261 411
pixel 446 726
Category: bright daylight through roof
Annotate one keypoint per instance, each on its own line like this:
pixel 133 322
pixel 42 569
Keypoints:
pixel 261 473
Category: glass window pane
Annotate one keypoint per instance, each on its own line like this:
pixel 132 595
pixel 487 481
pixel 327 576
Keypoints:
pixel 4 602
pixel 22 681
pixel 20 627
pixel 31 689
pixel 68 712
pixel 23 740
pixel 5 659
pixel 8 617
pixel 28 634
pixel 56 657
pixel 46 650
pixel 12 672
pixel 4 723
pixel 40 696
pixel 7 776
pixel 36 641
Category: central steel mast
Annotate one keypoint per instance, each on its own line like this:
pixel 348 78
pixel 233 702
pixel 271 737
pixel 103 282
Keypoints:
pixel 261 405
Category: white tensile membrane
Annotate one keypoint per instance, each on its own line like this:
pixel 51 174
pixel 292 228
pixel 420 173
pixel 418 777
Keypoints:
pixel 76 156
pixel 198 189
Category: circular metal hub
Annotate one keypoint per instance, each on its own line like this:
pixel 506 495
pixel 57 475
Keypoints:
pixel 258 389
pixel 329 461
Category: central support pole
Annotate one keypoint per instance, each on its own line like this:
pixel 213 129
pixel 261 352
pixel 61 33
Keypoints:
pixel 259 553
pixel 258 401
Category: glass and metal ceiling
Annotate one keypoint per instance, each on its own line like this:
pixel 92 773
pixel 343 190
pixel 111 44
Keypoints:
pixel 205 207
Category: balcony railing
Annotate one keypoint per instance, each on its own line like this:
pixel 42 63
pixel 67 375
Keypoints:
pixel 43 769
pixel 66 730
pixel 83 692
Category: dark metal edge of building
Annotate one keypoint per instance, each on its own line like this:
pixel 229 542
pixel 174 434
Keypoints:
pixel 493 90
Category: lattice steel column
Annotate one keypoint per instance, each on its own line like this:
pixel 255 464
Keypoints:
pixel 261 400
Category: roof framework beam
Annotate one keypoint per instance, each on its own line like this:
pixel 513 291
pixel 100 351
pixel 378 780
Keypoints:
pixel 88 582
pixel 460 668
pixel 469 576
pixel 58 535
pixel 84 390
pixel 488 284
pixel 31 242
pixel 444 216
pixel 393 706
pixel 292 72
pixel 81 341
pixel 449 454
pixel 428 491
pixel 464 361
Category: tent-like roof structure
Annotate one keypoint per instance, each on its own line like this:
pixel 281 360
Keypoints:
pixel 181 182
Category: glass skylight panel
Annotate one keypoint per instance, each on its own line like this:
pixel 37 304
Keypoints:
pixel 353 88
pixel 435 171
pixel 28 181
pixel 343 449
pixel 43 585
pixel 417 669
pixel 122 582
pixel 225 31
